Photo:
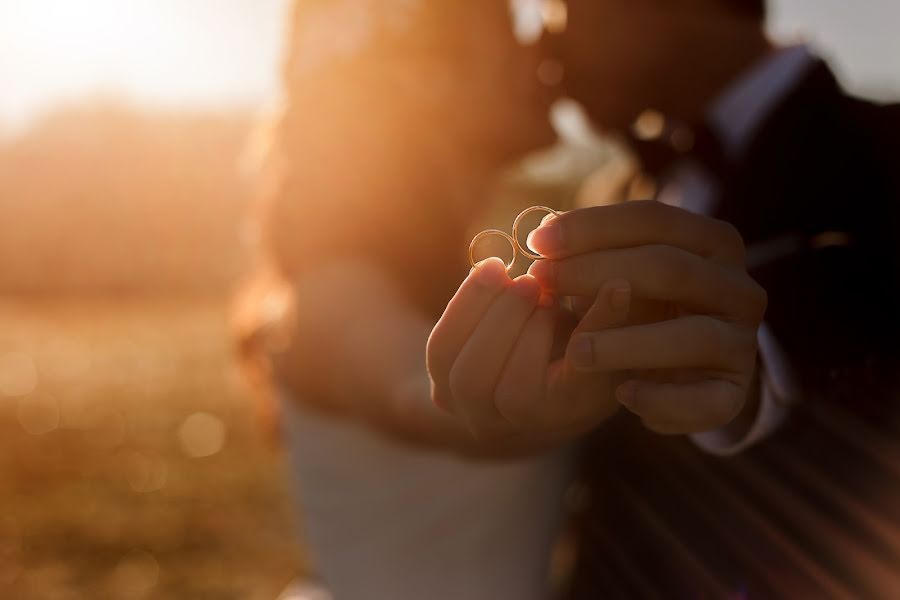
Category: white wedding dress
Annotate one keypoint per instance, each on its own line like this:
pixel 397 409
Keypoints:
pixel 386 521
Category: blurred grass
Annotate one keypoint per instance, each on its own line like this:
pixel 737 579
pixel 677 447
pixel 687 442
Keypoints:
pixel 105 398
pixel 108 504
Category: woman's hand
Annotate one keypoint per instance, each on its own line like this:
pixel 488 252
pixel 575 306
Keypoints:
pixel 690 344
pixel 354 351
pixel 492 362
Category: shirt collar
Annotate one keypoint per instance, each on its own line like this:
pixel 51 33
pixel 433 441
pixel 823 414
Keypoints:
pixel 743 107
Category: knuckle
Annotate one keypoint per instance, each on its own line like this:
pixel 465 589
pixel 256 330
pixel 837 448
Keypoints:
pixel 583 269
pixel 729 343
pixel 730 237
pixel 759 302
pixel 718 335
pixel 659 218
pixel 514 409
pixel 571 231
pixel 726 405
pixel 650 209
pixel 749 341
pixel 754 300
pixel 507 401
pixel 462 385
pixel 517 405
pixel 676 269
pixel 597 349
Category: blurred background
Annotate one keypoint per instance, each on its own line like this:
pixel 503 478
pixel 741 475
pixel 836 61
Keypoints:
pixel 131 465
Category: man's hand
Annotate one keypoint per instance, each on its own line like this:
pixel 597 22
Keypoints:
pixel 690 344
pixel 492 362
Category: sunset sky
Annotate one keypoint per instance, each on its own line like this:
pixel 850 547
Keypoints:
pixel 170 52
pixel 219 53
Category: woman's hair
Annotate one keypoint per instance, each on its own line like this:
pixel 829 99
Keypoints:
pixel 396 116
pixel 387 140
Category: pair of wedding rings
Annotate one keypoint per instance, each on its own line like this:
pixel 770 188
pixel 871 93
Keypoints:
pixel 518 248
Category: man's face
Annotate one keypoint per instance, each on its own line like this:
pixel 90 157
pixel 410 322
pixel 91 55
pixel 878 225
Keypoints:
pixel 615 56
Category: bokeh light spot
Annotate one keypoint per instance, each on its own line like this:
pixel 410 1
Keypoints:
pixel 555 15
pixel 201 435
pixel 550 72
pixel 831 239
pixel 63 360
pixel 649 125
pixel 137 572
pixel 18 374
pixel 39 414
pixel 682 139
pixel 528 20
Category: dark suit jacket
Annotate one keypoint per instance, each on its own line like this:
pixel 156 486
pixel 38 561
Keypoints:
pixel 824 170
pixel 815 510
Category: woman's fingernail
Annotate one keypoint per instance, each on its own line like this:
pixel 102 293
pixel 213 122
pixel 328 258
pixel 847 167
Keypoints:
pixel 620 298
pixel 626 393
pixel 527 286
pixel 491 273
pixel 544 272
pixel 582 352
pixel 547 239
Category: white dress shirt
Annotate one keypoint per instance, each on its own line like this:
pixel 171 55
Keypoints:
pixel 735 117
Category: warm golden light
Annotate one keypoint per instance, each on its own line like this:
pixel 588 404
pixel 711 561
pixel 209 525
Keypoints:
pixel 137 572
pixel 39 414
pixel 18 374
pixel 649 125
pixel 555 14
pixel 202 435
pixel 150 51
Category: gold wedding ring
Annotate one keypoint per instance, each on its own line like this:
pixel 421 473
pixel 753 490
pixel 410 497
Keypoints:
pixel 490 232
pixel 517 247
pixel 523 248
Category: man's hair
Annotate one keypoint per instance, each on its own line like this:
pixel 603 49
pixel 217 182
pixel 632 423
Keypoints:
pixel 753 9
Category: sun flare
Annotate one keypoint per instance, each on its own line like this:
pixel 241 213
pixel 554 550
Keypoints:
pixel 148 51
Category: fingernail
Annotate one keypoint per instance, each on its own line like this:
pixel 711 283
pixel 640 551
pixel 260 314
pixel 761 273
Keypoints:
pixel 582 352
pixel 490 273
pixel 527 287
pixel 547 239
pixel 626 393
pixel 544 272
pixel 620 298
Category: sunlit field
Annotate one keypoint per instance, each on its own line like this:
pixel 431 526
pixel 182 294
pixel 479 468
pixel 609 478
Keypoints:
pixel 131 465
pixel 138 148
pixel 133 462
